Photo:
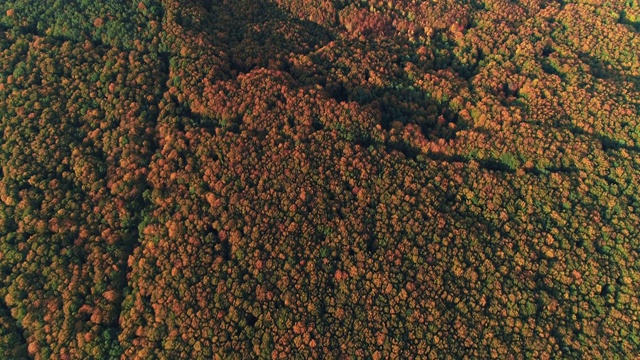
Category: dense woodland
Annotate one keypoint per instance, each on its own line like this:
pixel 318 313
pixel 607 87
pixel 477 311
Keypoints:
pixel 319 179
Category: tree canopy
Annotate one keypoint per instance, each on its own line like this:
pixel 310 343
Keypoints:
pixel 319 179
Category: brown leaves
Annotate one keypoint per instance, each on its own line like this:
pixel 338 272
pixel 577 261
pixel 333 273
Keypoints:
pixel 98 22
pixel 110 295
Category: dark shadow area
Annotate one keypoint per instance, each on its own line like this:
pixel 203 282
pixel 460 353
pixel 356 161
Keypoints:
pixel 633 23
pixel 608 70
pixel 465 63
pixel 264 35
pixel 495 165
pixel 550 62
pixel 251 320
pixel 448 158
pixel 407 150
pixel 258 40
pixel 402 104
pixel 549 68
pixel 12 330
pixel 606 142
pixel 612 144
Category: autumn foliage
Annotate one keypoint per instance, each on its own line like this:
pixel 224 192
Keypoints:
pixel 319 179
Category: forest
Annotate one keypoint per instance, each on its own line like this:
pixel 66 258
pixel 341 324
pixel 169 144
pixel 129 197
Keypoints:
pixel 332 179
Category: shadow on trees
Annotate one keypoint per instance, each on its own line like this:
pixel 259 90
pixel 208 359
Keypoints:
pixel 259 34
pixel 606 142
pixel 608 70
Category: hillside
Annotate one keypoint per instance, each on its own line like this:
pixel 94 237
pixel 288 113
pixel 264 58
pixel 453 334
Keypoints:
pixel 319 179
